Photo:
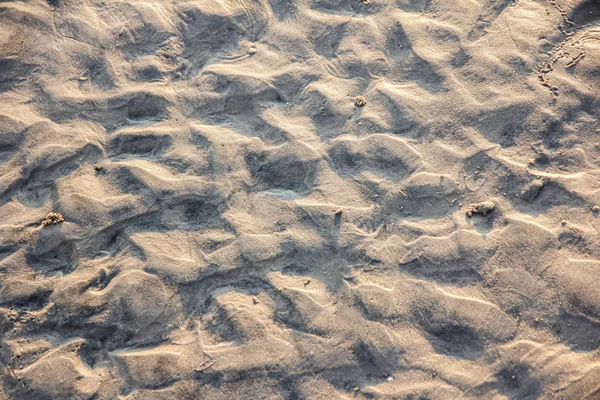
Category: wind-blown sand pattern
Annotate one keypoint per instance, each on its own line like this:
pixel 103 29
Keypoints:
pixel 240 224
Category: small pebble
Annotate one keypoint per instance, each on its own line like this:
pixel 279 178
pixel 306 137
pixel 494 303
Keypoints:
pixel 360 101
pixel 596 209
pixel 483 208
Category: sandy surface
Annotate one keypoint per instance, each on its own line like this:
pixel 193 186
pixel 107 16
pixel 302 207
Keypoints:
pixel 299 199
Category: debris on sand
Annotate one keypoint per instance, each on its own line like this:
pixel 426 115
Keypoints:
pixel 360 101
pixel 100 170
pixel 531 191
pixel 53 218
pixel 482 208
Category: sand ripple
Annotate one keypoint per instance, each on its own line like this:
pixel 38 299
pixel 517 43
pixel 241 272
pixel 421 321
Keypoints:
pixel 236 227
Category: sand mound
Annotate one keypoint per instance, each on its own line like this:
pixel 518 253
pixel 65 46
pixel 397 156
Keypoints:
pixel 307 199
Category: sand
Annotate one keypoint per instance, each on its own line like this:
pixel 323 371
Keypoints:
pixel 299 199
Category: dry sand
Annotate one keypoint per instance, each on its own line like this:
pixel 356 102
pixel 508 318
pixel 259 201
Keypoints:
pixel 299 199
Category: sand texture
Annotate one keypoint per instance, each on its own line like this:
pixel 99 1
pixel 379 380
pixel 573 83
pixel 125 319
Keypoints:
pixel 299 199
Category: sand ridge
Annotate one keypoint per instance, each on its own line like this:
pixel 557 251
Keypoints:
pixel 308 199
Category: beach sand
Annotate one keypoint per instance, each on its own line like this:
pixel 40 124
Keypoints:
pixel 299 199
